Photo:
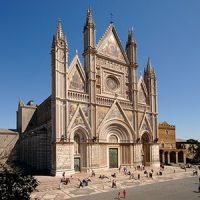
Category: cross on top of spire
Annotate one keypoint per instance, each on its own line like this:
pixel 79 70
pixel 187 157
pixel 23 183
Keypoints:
pixel 111 18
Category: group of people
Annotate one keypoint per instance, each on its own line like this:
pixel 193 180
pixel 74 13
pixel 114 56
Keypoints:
pixel 84 182
pixel 124 193
pixel 103 176
pixel 65 179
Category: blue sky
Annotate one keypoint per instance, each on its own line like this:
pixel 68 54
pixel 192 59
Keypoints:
pixel 167 31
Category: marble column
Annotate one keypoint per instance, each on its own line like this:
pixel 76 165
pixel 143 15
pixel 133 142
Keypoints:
pixel 176 157
pixel 184 158
pixel 168 157
pixel 163 157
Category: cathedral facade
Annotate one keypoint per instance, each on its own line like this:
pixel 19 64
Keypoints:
pixel 100 114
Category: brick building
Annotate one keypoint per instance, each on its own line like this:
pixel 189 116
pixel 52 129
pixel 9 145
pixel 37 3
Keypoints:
pixel 169 153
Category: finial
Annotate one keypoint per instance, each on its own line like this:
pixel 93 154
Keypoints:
pixel 149 68
pixel 89 18
pixel 131 38
pixel 59 31
pixel 76 52
pixel 132 28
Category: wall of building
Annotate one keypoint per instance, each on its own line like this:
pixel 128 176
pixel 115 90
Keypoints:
pixel 8 140
pixel 167 135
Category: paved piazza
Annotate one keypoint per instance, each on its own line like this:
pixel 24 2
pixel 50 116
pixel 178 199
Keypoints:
pixel 170 186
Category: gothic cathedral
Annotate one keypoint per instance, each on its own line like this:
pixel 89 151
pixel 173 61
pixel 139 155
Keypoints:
pixel 100 114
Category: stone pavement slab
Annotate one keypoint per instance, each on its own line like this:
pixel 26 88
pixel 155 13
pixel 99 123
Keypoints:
pixel 49 187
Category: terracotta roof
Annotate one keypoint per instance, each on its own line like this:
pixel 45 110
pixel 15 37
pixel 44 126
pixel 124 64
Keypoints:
pixel 8 131
pixel 180 140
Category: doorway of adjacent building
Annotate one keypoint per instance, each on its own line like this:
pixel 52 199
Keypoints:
pixel 113 157
pixel 77 164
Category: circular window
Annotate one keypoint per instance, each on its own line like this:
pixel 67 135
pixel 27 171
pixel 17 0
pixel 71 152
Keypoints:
pixel 112 83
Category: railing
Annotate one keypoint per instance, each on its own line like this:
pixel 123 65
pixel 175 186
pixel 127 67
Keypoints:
pixel 104 101
pixel 127 105
pixel 81 97
pixel 78 96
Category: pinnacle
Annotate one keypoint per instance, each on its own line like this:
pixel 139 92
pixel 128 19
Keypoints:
pixel 59 31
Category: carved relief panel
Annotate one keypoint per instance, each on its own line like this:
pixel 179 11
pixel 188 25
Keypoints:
pixel 72 109
pixel 112 78
pixel 129 115
pixel 101 113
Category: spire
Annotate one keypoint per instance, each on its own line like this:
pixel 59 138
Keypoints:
pixel 149 68
pixel 131 47
pixel 89 31
pixel 59 36
pixel 149 65
pixel 131 38
pixel 59 31
pixel 89 18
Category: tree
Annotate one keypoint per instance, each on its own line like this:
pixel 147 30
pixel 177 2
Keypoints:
pixel 16 185
pixel 194 148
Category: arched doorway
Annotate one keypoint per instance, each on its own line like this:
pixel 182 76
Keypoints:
pixel 117 149
pixel 145 149
pixel 172 157
pixel 113 152
pixel 80 151
pixel 180 157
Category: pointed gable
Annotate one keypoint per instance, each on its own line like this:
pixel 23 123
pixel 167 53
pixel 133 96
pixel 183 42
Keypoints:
pixel 79 119
pixel 116 112
pixel 145 124
pixel 76 75
pixel 110 45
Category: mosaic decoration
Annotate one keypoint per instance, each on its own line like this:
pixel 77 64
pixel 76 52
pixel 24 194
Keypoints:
pixel 111 48
pixel 76 81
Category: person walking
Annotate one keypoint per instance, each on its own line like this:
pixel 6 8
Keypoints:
pixel 119 195
pixel 124 194
pixel 138 176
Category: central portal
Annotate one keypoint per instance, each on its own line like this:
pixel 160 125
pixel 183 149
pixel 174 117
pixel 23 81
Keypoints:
pixel 113 157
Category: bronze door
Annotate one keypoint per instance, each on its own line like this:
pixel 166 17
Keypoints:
pixel 77 166
pixel 113 158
